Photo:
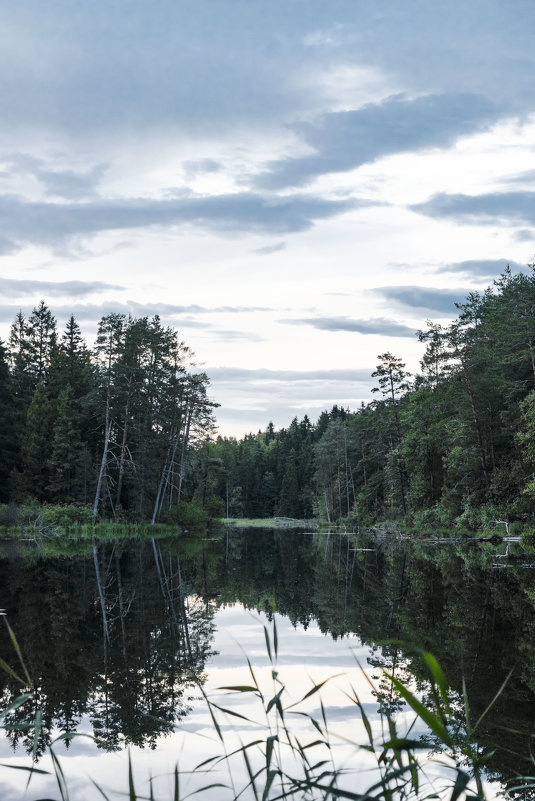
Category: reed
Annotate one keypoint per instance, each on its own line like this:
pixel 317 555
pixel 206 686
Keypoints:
pixel 285 763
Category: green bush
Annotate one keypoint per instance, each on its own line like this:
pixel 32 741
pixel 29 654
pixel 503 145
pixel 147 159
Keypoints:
pixel 9 515
pixel 215 507
pixel 481 518
pixel 436 518
pixel 66 516
pixel 188 516
pixel 528 537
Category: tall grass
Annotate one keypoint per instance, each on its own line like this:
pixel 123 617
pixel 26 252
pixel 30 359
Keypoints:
pixel 282 760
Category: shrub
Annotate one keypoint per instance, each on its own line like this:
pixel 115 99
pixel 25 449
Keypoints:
pixel 437 517
pixel 188 516
pixel 9 515
pixel 215 507
pixel 66 516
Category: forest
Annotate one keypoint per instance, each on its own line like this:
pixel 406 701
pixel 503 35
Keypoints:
pixel 453 445
pixel 126 428
pixel 110 428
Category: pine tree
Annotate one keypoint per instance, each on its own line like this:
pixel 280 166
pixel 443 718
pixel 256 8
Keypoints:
pixel 8 433
pixel 67 454
pixel 42 341
pixel 36 443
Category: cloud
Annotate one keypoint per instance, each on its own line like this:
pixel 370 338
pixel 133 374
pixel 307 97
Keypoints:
pixel 7 246
pixel 195 167
pixel 481 268
pixel 92 313
pixel 527 177
pixel 67 184
pixel 29 222
pixel 132 66
pixel 183 315
pixel 247 336
pixel 495 207
pixel 265 251
pixel 20 287
pixel 424 298
pixel 239 374
pixel 347 139
pixel 379 325
pixel 250 398
pixel 524 235
pixel 71 185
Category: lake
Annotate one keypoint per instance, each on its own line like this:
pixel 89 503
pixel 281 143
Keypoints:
pixel 116 639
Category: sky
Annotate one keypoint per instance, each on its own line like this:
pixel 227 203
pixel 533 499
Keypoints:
pixel 296 186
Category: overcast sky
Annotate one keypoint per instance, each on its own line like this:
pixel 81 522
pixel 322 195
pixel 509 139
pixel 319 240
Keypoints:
pixel 296 185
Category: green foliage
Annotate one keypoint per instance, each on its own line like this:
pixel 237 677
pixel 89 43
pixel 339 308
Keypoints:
pixel 431 520
pixel 66 516
pixel 480 518
pixel 128 429
pixel 187 516
pixel 113 428
pixel 528 537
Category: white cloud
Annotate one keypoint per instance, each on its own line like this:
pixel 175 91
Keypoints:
pixel 132 135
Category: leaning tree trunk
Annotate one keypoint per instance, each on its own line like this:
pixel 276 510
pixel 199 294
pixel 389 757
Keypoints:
pixel 102 471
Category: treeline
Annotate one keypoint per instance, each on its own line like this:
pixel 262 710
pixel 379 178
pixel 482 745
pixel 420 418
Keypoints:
pixel 454 443
pixel 111 427
pixel 127 429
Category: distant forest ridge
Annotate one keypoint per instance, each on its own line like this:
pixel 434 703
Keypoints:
pixel 126 428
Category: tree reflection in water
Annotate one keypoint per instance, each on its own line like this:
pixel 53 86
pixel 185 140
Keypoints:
pixel 134 678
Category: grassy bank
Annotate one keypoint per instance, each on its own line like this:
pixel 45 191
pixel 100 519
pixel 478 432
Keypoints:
pixel 269 522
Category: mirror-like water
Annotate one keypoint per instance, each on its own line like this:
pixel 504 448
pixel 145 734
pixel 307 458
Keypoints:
pixel 114 646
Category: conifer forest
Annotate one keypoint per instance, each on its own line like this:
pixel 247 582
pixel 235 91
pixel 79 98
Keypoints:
pixel 127 427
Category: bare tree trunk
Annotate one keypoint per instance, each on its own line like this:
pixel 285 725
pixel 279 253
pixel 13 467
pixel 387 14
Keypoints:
pixel 122 612
pixel 185 440
pixel 102 471
pixel 122 458
pixel 101 595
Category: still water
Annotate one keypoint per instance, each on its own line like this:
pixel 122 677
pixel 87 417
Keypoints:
pixel 116 645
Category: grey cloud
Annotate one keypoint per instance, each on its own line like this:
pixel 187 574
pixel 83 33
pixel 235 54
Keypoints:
pixel 193 308
pixel 237 309
pixel 481 268
pixel 347 139
pixel 72 185
pixel 378 325
pixel 424 298
pixel 252 409
pixel 20 287
pixel 250 398
pixel 64 183
pixel 135 66
pixel 7 246
pixel 527 177
pixel 265 251
pixel 494 207
pixel 50 223
pixel 237 374
pixel 524 235
pixel 199 166
pixel 128 67
pixel 184 315
pixel 91 313
pixel 248 336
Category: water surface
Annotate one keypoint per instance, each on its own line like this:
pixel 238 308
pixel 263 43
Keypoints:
pixel 180 611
